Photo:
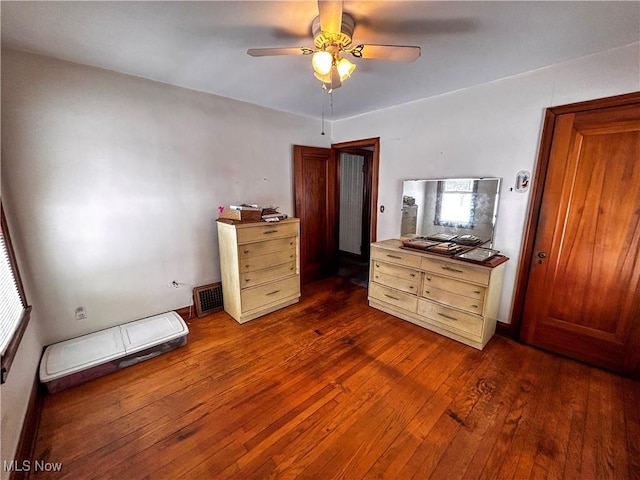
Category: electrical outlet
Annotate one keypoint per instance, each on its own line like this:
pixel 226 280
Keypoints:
pixel 81 313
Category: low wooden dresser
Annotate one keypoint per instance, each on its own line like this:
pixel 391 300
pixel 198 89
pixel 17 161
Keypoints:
pixel 448 296
pixel 260 266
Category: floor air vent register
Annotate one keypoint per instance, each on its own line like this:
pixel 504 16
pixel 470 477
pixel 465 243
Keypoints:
pixel 208 299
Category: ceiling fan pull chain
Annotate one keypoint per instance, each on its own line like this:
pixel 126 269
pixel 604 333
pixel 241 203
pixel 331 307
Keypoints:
pixel 331 95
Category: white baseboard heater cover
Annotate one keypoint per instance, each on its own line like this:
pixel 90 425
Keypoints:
pixel 84 358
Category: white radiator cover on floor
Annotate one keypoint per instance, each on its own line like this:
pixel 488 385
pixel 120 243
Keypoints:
pixel 88 351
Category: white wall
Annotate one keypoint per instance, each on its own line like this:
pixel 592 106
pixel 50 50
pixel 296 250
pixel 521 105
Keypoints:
pixel 116 182
pixel 112 184
pixel 488 130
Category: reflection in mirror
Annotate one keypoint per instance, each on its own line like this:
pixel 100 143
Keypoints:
pixel 456 206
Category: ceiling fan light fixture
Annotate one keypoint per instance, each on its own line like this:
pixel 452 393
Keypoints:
pixel 345 68
pixel 326 78
pixel 331 80
pixel 332 38
pixel 322 62
pixel 336 81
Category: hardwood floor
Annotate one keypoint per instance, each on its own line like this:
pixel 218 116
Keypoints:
pixel 330 388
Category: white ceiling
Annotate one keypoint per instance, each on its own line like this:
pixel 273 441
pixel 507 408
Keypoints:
pixel 202 45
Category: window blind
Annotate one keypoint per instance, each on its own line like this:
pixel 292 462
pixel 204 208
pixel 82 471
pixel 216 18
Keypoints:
pixel 11 306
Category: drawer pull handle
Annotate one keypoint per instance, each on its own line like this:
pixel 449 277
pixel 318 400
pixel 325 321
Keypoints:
pixel 394 256
pixel 246 251
pixel 476 291
pixel 444 267
pixel 269 231
pixel 448 316
pixel 273 293
pixel 411 288
pixel 428 279
pixel 474 306
pixel 413 274
pixel 246 266
pixel 393 298
pixel 427 291
pixel 247 280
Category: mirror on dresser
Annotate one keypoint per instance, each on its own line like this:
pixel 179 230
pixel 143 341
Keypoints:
pixel 456 206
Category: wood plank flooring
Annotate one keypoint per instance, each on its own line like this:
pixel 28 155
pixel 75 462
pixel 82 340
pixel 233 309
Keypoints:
pixel 330 388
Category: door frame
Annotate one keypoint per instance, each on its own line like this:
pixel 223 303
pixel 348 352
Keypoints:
pixel 537 190
pixel 337 148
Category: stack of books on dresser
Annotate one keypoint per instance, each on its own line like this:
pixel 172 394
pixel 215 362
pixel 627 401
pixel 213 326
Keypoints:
pixel 251 213
pixel 271 214
pixel 446 247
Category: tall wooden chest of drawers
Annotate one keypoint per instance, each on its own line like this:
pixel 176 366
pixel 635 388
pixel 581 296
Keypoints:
pixel 260 267
pixel 451 297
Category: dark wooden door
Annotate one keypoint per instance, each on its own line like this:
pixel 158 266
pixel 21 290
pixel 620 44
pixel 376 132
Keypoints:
pixel 315 173
pixel 583 293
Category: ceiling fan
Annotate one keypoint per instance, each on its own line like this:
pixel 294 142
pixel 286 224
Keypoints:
pixel 332 33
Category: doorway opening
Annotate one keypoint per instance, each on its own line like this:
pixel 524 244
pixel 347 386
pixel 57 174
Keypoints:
pixel 356 208
pixel 317 182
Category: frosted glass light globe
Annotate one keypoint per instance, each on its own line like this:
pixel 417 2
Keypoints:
pixel 321 62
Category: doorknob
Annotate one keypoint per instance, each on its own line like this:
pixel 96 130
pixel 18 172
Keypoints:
pixel 541 256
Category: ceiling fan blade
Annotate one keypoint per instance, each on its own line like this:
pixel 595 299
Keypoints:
pixel 399 53
pixel 268 52
pixel 330 15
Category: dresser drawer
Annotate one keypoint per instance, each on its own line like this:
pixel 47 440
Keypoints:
pixel 266 231
pixel 472 305
pixel 269 246
pixel 388 295
pixel 456 270
pixel 409 286
pixel 461 323
pixel 398 258
pixel 262 295
pixel 395 271
pixel 258 262
pixel 258 277
pixel 454 286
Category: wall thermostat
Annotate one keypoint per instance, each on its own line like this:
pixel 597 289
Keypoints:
pixel 523 179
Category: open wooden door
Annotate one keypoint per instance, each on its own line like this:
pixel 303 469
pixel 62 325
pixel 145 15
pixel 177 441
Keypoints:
pixel 315 172
pixel 582 296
